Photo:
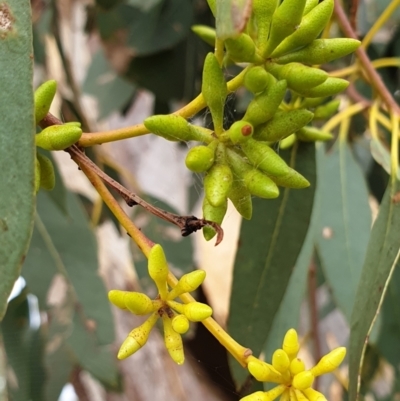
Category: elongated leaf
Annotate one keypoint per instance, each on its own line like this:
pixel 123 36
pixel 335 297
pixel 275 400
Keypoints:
pixel 268 249
pixel 382 256
pixel 17 130
pixel 344 223
pixel 232 17
pixel 66 245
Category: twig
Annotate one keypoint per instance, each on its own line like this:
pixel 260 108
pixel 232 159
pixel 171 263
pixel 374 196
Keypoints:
pixel 312 292
pixel 79 387
pixel 375 79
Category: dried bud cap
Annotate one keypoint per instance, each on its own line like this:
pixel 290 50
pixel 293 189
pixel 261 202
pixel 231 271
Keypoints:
pixel 158 269
pixel 303 380
pixel 173 341
pixel 47 175
pixel 290 343
pixel 187 283
pixel 137 338
pixel 264 372
pixel 240 131
pixel 280 361
pixel 205 33
pixel 138 303
pixel 329 362
pixel 297 366
pixel 180 324
pixel 314 395
pixel 58 137
pixel 44 95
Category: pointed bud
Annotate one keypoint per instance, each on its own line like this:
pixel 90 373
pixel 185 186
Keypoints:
pixel 326 110
pixel 291 343
pixel 264 158
pixel 200 158
pixel 321 51
pixel 58 137
pixel 263 107
pixel 275 392
pixel 138 303
pixel 180 323
pixel 288 142
pixel 299 395
pixel 240 131
pixel 74 124
pixel 242 49
pixel 264 372
pixel 214 90
pixel 44 95
pixel 241 198
pixel 137 338
pixel 187 283
pixel 303 380
pixel 309 29
pixel 283 124
pixel 37 175
pixel 194 311
pixel 280 361
pixel 116 297
pixel 215 214
pixel 170 127
pixel 257 396
pixel 257 79
pixel 47 175
pixel 329 362
pixel 297 366
pixel 330 87
pixel 314 395
pixel 217 184
pixel 310 4
pixel 173 341
pixel 205 33
pixel 312 134
pixel 213 6
pixel 292 179
pixel 158 269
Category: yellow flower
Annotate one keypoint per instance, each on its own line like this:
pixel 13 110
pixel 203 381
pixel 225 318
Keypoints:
pixel 175 316
pixel 289 372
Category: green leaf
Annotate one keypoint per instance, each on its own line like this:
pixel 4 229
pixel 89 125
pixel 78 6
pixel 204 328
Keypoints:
pixel 112 92
pixel 269 246
pixel 382 257
pixel 231 17
pixel 288 313
pixel 17 150
pixel 382 156
pixel 67 246
pixel 344 223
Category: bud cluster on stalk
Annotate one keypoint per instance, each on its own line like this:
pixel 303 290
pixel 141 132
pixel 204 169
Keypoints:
pixel 280 46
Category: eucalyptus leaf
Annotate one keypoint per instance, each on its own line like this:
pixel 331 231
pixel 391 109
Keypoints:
pixel 17 150
pixel 231 17
pixel 268 249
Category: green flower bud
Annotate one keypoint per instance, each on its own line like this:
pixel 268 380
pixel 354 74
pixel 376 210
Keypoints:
pixel 263 107
pixel 214 90
pixel 310 4
pixel 321 51
pixel 254 180
pixel 303 380
pixel 44 95
pixel 47 175
pixel 265 158
pixel 180 324
pixel 187 283
pixel 170 127
pixel 242 49
pixel 310 27
pixel 173 341
pixel 330 87
pixel 215 214
pixel 263 371
pixel 283 124
pixel 194 311
pixel 312 134
pixel 329 362
pixel 263 12
pixel 74 123
pixel 138 303
pixel 158 269
pixel 280 360
pixel 292 179
pixel 313 395
pixel 257 79
pixel 58 137
pixel 37 175
pixel 241 198
pixel 285 21
pixel 240 131
pixel 326 110
pixel 312 102
pixel 288 142
pixel 200 158
pixel 205 33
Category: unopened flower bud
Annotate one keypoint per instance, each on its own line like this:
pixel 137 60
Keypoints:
pixel 280 361
pixel 329 362
pixel 173 341
pixel 194 311
pixel 264 372
pixel 158 269
pixel 313 395
pixel 44 95
pixel 303 380
pixel 291 343
pixel 180 324
pixel 297 366
pixel 58 137
pixel 187 283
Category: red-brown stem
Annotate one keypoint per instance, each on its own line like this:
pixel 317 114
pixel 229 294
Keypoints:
pixel 374 78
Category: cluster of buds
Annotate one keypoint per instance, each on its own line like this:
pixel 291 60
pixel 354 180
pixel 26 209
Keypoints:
pixel 289 372
pixel 175 315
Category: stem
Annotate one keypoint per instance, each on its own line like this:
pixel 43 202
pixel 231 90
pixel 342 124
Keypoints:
pixel 387 13
pixel 192 108
pixel 374 78
pixel 344 129
pixel 346 113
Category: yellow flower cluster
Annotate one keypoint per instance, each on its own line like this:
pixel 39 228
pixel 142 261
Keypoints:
pixel 289 372
pixel 175 316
